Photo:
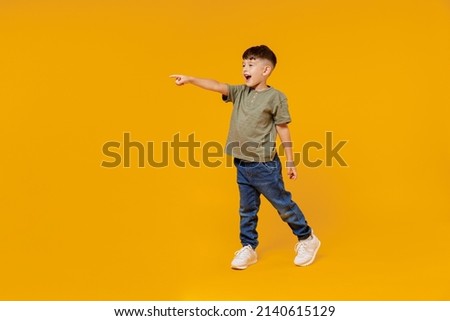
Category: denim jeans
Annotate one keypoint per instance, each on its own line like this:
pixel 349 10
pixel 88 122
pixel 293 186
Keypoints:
pixel 254 179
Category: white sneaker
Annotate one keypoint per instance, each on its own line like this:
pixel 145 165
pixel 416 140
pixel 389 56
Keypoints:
pixel 243 258
pixel 306 250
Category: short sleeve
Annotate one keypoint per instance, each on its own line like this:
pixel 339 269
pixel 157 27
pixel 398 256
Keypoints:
pixel 281 112
pixel 233 91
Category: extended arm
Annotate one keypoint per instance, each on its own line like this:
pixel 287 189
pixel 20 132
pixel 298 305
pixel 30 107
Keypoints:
pixel 208 84
pixel 285 137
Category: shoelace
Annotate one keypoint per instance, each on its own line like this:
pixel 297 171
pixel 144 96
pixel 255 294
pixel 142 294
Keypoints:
pixel 241 251
pixel 299 245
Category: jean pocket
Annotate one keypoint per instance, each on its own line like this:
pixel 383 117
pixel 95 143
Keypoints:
pixel 270 166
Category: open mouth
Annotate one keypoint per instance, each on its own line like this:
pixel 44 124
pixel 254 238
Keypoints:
pixel 247 77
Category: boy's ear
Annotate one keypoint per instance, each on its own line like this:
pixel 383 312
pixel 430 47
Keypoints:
pixel 267 70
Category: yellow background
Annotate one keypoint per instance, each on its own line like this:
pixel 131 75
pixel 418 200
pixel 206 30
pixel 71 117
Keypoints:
pixel 76 74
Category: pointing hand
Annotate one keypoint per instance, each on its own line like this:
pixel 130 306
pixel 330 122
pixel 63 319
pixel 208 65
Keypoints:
pixel 180 79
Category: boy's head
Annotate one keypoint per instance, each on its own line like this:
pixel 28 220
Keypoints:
pixel 258 63
pixel 261 52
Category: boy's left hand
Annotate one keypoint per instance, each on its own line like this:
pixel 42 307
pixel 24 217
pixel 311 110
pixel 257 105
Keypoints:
pixel 291 172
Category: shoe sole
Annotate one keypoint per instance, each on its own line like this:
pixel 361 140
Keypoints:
pixel 243 267
pixel 312 259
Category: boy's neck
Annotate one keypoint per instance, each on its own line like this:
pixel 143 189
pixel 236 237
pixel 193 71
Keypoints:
pixel 261 87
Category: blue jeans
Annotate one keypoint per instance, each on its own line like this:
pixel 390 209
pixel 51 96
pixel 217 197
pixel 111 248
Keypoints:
pixel 254 179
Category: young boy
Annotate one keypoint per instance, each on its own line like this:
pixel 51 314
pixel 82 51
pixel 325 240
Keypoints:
pixel 260 112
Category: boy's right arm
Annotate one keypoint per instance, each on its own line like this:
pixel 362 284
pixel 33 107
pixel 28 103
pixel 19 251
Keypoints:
pixel 208 84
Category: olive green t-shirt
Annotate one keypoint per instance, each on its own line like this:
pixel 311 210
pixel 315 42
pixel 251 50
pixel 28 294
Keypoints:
pixel 252 134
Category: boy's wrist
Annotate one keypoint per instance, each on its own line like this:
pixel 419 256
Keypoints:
pixel 290 163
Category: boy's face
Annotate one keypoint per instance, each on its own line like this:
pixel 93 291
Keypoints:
pixel 256 71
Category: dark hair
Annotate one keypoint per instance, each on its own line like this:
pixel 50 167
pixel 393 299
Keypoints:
pixel 262 51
